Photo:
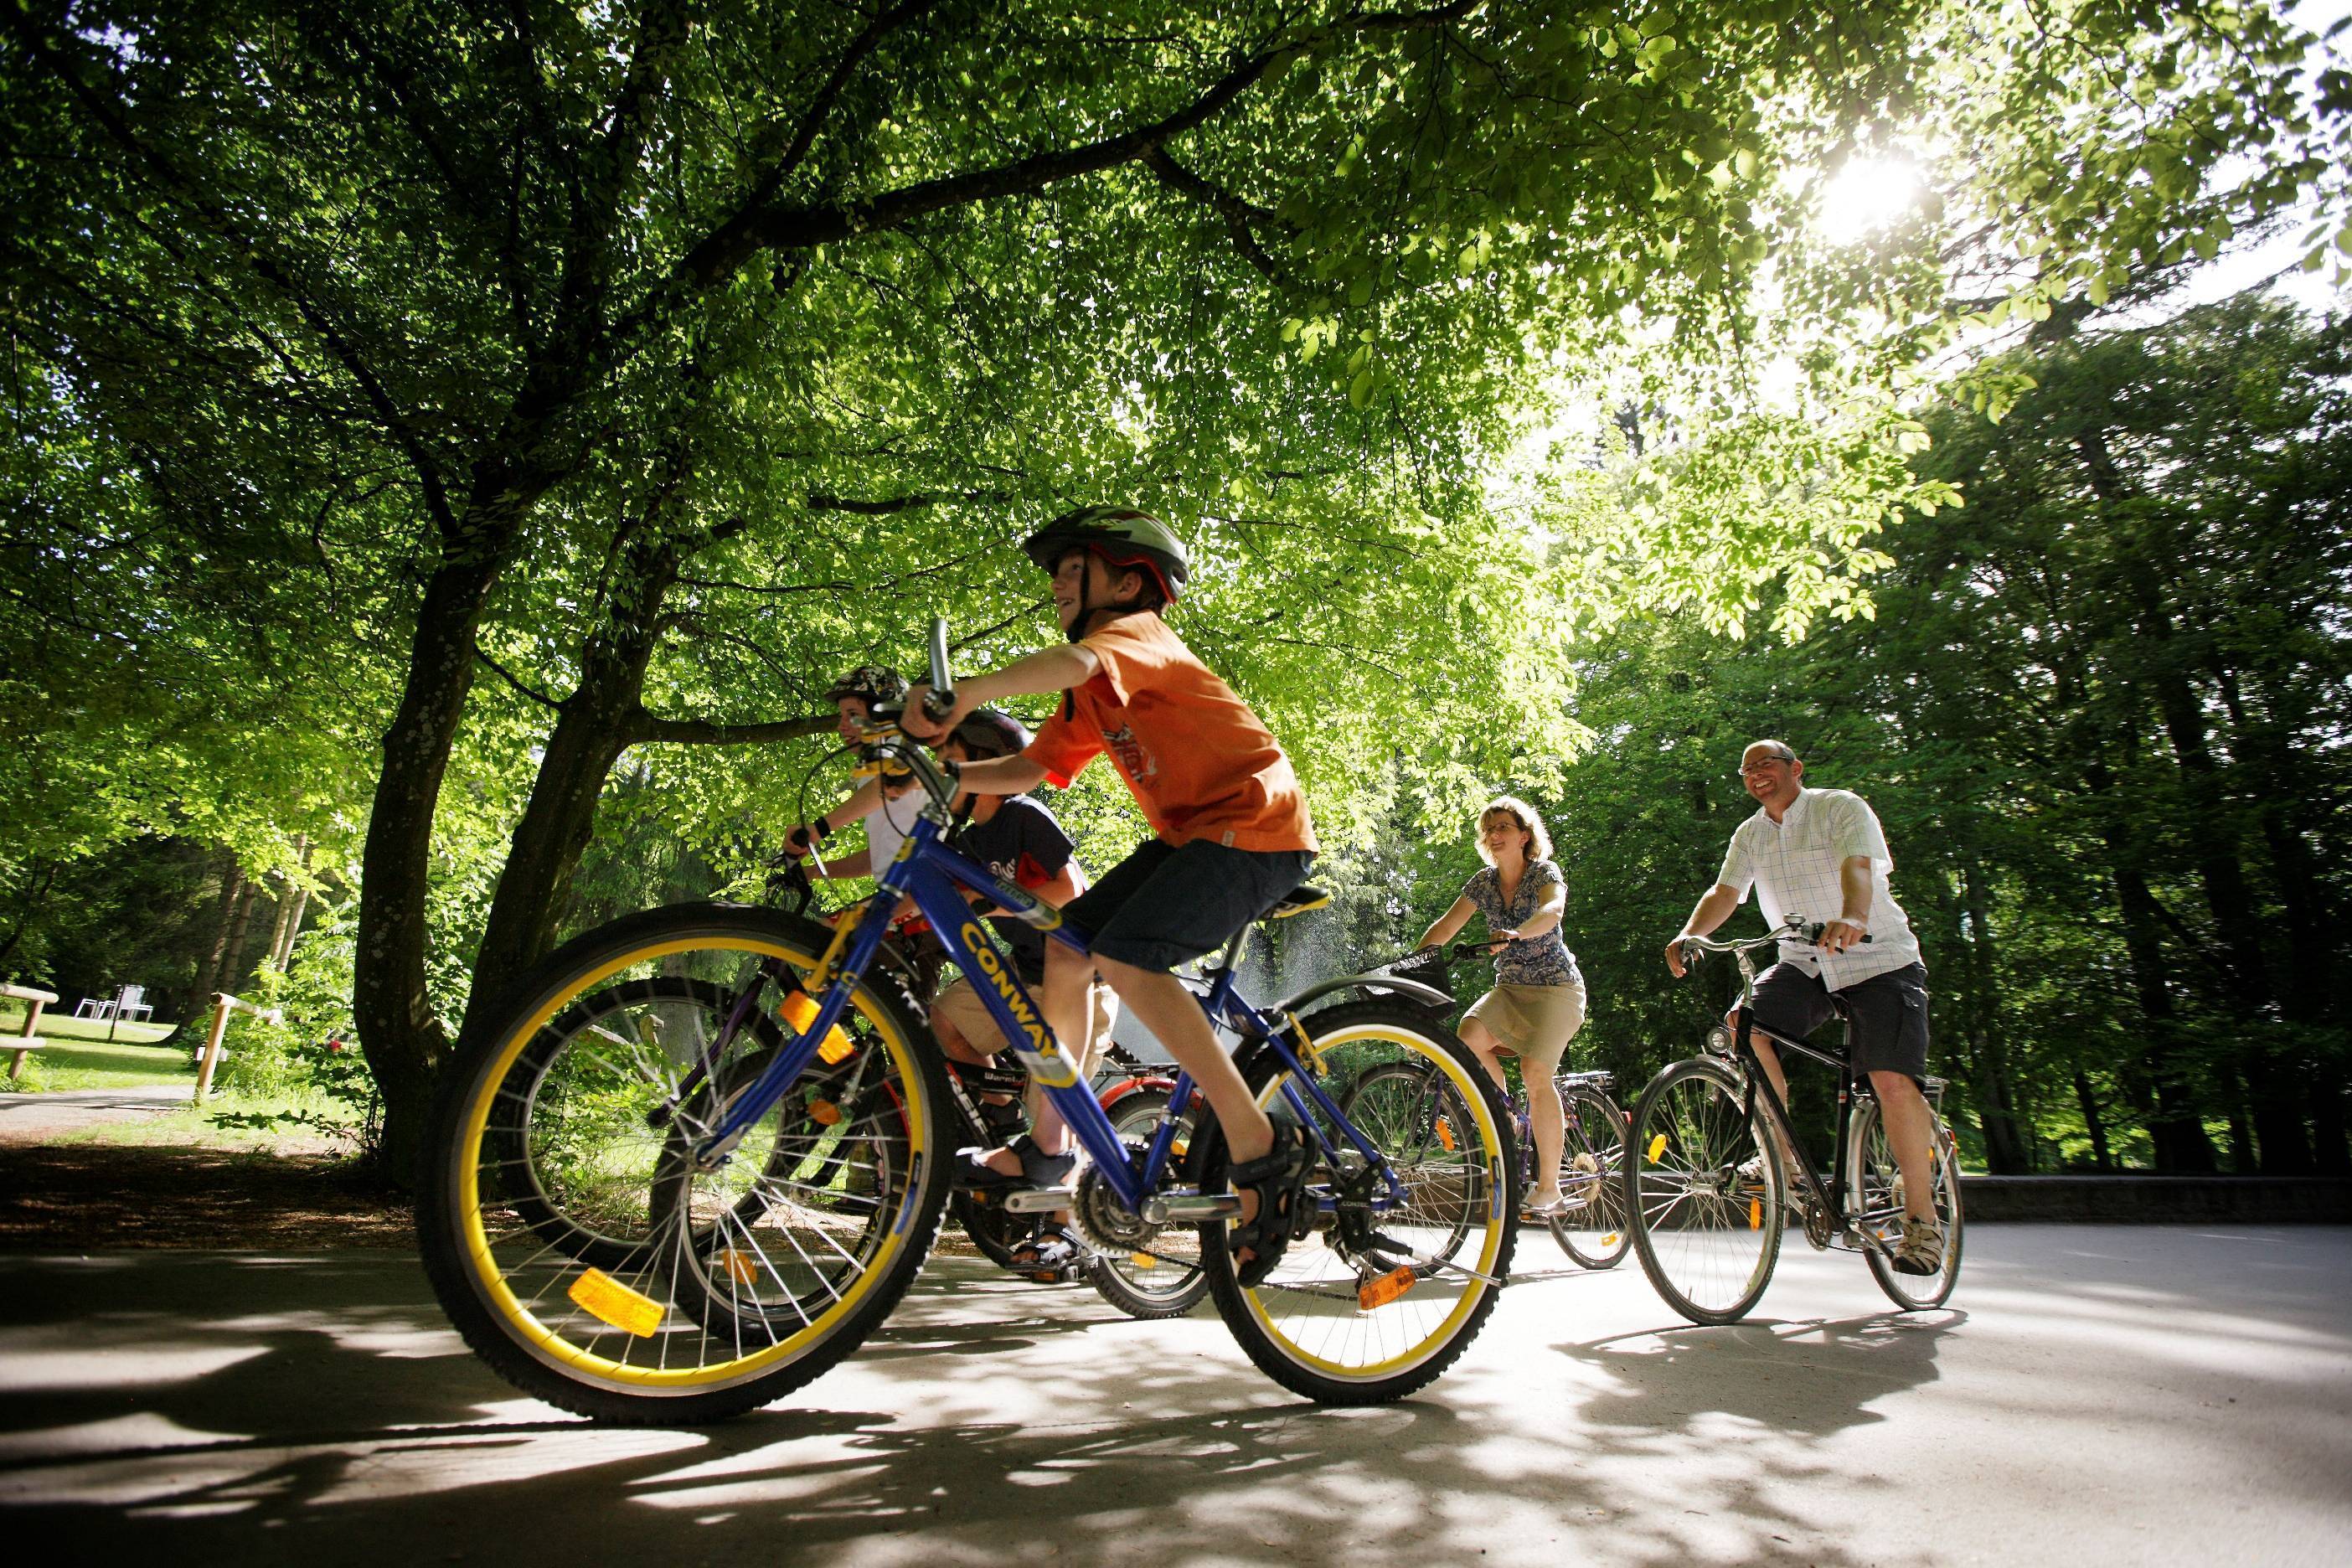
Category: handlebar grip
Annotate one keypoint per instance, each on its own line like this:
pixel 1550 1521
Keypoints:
pixel 941 698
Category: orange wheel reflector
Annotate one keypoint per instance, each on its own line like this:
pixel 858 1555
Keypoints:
pixel 1387 1287
pixel 738 1266
pixel 823 1112
pixel 1143 1260
pixel 610 1301
pixel 1445 1133
pixel 799 1011
pixel 1756 1214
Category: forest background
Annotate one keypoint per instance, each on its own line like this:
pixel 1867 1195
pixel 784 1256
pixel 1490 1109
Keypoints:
pixel 448 453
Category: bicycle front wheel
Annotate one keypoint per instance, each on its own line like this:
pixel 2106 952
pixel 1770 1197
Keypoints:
pixel 572 1238
pixel 1703 1193
pixel 1590 1226
pixel 1874 1204
pixel 1410 1251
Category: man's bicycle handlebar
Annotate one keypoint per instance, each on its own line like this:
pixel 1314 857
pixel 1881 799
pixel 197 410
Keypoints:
pixel 1795 928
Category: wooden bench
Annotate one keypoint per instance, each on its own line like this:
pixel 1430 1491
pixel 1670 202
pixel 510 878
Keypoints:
pixel 27 1045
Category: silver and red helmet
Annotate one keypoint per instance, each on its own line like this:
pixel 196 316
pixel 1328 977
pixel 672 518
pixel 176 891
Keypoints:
pixel 1122 536
pixel 876 685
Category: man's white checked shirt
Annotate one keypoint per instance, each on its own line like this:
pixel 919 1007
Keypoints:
pixel 1793 866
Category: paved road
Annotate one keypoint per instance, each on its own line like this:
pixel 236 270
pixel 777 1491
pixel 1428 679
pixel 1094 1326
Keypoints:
pixel 2101 1395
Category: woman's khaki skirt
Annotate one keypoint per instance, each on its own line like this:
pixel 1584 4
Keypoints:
pixel 1535 1021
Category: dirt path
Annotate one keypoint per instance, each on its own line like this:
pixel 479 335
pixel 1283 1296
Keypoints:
pixel 64 1190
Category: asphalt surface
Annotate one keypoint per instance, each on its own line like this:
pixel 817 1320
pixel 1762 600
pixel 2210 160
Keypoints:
pixel 2104 1396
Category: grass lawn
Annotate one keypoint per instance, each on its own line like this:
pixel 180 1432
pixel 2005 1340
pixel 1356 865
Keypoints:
pixel 78 1064
pixel 54 1027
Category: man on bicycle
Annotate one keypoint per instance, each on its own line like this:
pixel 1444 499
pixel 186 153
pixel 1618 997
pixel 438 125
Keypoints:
pixel 1230 833
pixel 1807 852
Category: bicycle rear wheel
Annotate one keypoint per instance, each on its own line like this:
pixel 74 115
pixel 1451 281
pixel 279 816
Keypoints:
pixel 570 1236
pixel 1704 1193
pixel 1591 1227
pixel 1147 1272
pixel 1419 1098
pixel 1874 1204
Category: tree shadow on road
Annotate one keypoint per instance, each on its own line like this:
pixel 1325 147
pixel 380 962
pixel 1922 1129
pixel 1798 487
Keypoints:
pixel 1812 1377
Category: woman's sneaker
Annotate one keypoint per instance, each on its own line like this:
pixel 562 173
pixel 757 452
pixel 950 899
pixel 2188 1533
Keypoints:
pixel 1920 1248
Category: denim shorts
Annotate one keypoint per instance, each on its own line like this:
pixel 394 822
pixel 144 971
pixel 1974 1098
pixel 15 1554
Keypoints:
pixel 1167 904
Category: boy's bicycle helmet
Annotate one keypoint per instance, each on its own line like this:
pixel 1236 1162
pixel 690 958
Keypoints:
pixel 876 685
pixel 1122 537
pixel 986 732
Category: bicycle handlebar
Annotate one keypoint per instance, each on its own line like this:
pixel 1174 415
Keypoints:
pixel 1795 926
pixel 941 699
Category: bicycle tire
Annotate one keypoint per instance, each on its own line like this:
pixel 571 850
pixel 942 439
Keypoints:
pixel 1594 1229
pixel 1305 1326
pixel 1874 1203
pixel 1707 1236
pixel 1161 1275
pixel 698 1320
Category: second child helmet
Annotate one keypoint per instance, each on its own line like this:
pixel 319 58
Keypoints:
pixel 987 733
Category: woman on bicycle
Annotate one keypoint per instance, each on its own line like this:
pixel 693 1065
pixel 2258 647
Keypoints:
pixel 1538 1003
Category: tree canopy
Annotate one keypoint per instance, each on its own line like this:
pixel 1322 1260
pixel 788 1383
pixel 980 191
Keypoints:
pixel 655 359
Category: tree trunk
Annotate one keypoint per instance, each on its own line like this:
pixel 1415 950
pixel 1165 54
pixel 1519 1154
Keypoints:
pixel 403 1041
pixel 232 969
pixel 2277 1100
pixel 2006 1150
pixel 2088 1100
pixel 281 958
pixel 284 908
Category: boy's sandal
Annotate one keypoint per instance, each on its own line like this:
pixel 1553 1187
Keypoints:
pixel 973 1174
pixel 1041 1169
pixel 1049 1256
pixel 1278 1177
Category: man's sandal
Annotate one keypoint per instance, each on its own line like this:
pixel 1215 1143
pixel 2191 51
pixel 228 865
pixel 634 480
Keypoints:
pixel 1278 1177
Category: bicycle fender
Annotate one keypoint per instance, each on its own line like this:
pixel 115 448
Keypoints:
pixel 1125 1087
pixel 1411 990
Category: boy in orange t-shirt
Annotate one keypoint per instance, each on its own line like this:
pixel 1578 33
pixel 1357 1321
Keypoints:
pixel 1230 831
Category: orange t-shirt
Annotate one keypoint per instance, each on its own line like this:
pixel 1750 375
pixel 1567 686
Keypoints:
pixel 1200 763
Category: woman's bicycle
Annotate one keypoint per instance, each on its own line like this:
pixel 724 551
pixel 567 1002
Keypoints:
pixel 1704 1191
pixel 1590 1225
pixel 700 1153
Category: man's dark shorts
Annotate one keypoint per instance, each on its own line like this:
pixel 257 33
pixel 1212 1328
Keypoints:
pixel 1889 1028
pixel 1166 904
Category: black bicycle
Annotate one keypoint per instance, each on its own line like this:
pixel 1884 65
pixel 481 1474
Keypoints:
pixel 1705 1192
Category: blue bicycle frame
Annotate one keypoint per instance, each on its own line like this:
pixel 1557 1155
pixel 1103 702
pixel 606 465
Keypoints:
pixel 931 872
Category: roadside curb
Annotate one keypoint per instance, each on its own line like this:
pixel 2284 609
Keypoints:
pixel 2158 1200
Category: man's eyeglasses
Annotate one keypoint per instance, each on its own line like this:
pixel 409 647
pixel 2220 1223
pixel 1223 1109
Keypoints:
pixel 1767 766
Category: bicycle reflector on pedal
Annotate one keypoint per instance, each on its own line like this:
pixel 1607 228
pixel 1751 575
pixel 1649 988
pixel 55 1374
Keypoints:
pixel 608 1300
pixel 800 1011
pixel 1379 1290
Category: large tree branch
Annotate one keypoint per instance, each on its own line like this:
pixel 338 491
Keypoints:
pixel 887 506
pixel 821 107
pixel 642 726
pixel 768 225
pixel 188 193
pixel 1240 218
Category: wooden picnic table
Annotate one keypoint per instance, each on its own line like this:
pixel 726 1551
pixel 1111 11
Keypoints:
pixel 26 1044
